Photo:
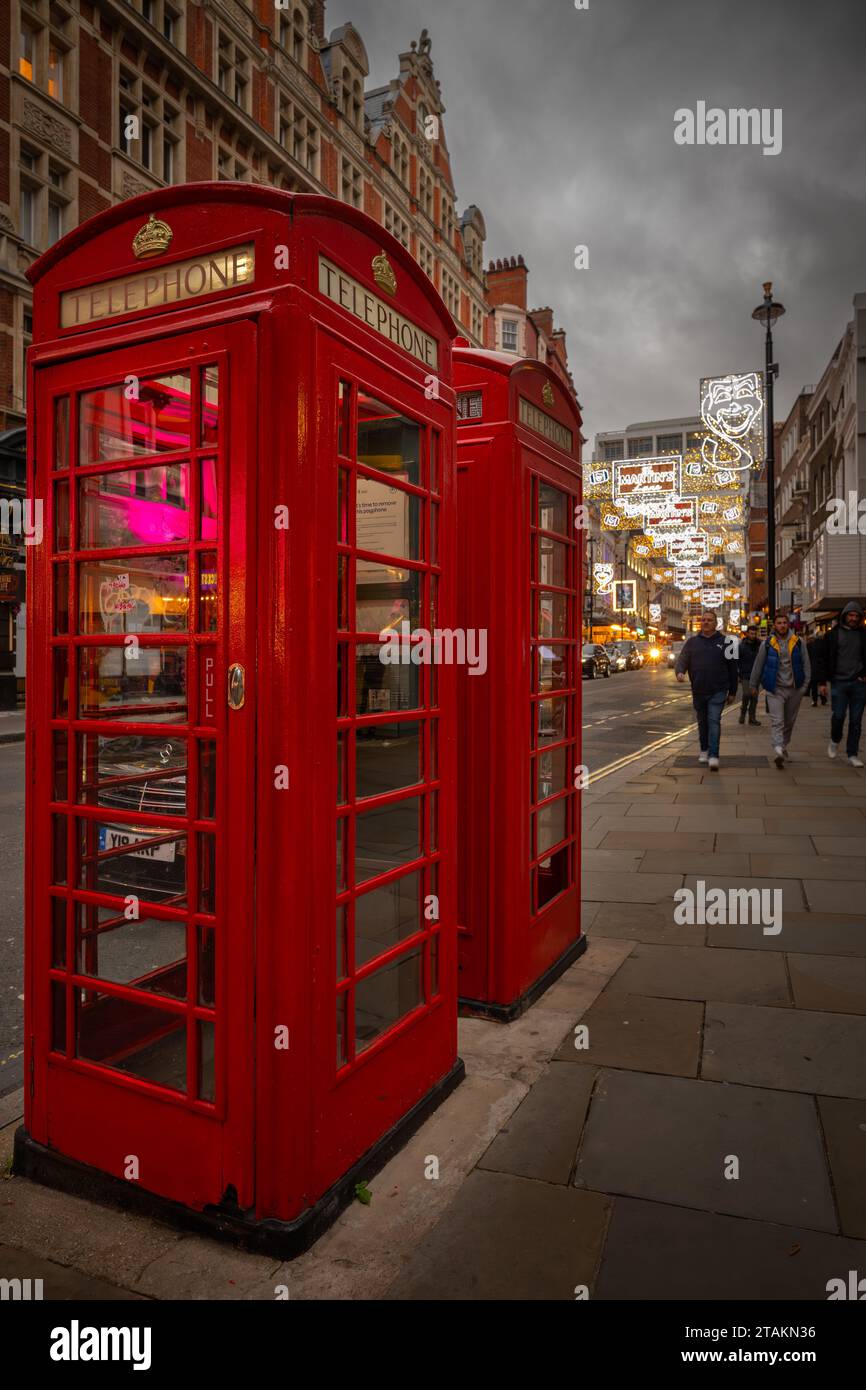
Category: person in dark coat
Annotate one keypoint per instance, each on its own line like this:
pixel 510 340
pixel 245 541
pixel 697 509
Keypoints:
pixel 709 661
pixel 842 662
pixel 748 650
pixel 813 646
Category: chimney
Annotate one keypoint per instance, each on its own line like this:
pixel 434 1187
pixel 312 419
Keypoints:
pixel 317 18
pixel 543 320
pixel 506 282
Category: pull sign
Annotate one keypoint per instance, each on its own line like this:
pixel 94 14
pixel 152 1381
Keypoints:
pixel 236 686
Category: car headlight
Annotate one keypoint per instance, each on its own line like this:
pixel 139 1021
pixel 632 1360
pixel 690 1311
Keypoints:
pixel 655 653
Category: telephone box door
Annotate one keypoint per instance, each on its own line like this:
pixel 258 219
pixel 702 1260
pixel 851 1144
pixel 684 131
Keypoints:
pixel 140 872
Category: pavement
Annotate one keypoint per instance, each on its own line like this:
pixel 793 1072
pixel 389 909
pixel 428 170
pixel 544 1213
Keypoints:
pixel 11 726
pixel 682 1116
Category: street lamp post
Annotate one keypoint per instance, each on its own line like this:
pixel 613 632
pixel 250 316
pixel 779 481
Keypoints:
pixel 767 313
pixel 590 598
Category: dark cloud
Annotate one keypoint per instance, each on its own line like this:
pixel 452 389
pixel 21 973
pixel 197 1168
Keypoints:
pixel 560 125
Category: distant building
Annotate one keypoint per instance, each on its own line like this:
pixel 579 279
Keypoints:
pixel 518 330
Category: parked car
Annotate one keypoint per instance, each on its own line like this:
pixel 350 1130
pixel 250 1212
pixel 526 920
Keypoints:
pixel 633 660
pixel 617 658
pixel 673 652
pixel 595 661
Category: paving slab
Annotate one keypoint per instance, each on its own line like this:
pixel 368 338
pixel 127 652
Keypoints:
pixel 804 932
pixel 836 845
pixel 786 1049
pixel 508 1238
pixel 541 1138
pixel 793 845
pixel 670 1139
pixel 839 867
pixel 59 1282
pixel 716 1258
pixel 815 798
pixel 726 821
pixel 609 860
pixel 844 1123
pixel 824 895
pixel 599 886
pixel 692 862
pixel 658 841
pixel 591 839
pixel 638 825
pixel 637 1033
pixel 702 972
pixel 834 983
pixel 774 824
pixel 792 893
pixel 645 922
pixel 808 813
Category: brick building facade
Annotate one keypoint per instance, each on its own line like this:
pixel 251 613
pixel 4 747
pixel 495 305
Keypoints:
pixel 104 99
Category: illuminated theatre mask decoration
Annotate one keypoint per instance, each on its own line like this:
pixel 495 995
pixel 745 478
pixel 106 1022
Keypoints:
pixel 655 612
pixel 602 578
pixel 732 408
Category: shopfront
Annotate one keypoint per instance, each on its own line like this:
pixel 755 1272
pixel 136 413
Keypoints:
pixel 248 478
pixel 520 581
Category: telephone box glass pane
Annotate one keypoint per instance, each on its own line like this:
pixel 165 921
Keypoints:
pixel 387 597
pixel 552 509
pixel 133 772
pixel 387 757
pixel 388 440
pixel 552 562
pixel 552 721
pixel 155 420
pixel 387 520
pixel 58 1017
pixel 383 998
pixel 386 838
pixel 61 598
pixel 61 682
pixel 551 825
pixel 210 404
pixel 150 594
pixel 552 614
pixel 553 772
pixel 206 937
pixel 386 916
pixel 344 402
pixel 341 769
pixel 552 669
pixel 60 855
pixel 382 689
pixel 206 1061
pixel 207 885
pixel 208 591
pixel 148 689
pixel 147 954
pixel 135 506
pixel 133 860
pixel 553 876
pixel 132 1038
pixel 58 932
pixel 61 517
pixel 209 500
pixel 61 432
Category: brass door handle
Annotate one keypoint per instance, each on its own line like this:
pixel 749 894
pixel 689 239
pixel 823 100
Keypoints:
pixel 236 686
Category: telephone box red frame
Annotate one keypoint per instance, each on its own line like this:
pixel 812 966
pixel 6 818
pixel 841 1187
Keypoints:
pixel 519 743
pixel 248 1085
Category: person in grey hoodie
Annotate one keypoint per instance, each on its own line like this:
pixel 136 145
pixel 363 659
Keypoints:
pixel 782 667
pixel 842 662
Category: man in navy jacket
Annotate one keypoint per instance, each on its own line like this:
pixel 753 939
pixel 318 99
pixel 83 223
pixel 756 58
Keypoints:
pixel 709 661
pixel 749 646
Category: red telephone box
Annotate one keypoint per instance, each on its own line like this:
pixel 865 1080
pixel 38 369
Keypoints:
pixel 519 741
pixel 242 430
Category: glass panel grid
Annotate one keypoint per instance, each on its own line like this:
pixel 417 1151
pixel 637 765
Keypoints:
pixel 135 942
pixel 385 777
pixel 554 571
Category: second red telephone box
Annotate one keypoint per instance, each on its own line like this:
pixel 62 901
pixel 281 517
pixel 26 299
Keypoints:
pixel 519 741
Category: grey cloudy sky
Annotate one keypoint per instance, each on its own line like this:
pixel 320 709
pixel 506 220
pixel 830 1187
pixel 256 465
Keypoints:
pixel 560 126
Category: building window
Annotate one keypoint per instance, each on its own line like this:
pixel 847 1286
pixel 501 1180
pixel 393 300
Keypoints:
pixel 27 52
pixel 352 185
pixel 426 259
pixel 400 160
pixel 147 127
pixel 478 323
pixel 612 451
pixel 509 335
pixel 42 198
pixel 451 294
pixel 670 444
pixel 640 448
pixel 396 225
pixel 27 213
pixel 299 136
pixel 43 48
pixel 233 71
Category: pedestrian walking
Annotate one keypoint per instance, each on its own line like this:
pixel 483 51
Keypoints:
pixel 782 668
pixel 748 650
pixel 710 663
pixel 843 663
pixel 813 646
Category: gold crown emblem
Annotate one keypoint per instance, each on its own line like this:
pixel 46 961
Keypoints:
pixel 153 238
pixel 547 394
pixel 383 273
